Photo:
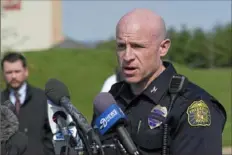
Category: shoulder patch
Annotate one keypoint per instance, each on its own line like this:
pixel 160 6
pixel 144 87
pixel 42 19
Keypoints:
pixel 199 114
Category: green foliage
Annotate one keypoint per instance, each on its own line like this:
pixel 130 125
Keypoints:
pixel 199 49
pixel 110 45
pixel 196 48
pixel 84 72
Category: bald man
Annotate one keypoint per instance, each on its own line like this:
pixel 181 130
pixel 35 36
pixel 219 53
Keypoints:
pixel 160 123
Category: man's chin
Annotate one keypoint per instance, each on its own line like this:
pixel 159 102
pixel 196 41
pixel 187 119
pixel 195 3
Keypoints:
pixel 15 86
pixel 132 80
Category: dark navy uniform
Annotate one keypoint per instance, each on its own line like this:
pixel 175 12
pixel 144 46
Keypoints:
pixel 196 120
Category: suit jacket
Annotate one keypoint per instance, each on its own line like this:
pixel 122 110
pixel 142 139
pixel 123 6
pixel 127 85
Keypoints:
pixel 33 121
pixel 16 145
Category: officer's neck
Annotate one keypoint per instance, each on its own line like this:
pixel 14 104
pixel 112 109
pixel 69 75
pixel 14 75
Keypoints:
pixel 138 88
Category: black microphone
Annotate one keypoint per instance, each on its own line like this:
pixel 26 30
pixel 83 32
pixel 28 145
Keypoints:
pixel 59 118
pixel 111 118
pixel 58 93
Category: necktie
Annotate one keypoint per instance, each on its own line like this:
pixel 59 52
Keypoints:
pixel 17 102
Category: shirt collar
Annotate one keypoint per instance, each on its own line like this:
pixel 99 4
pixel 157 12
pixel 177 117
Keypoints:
pixel 155 90
pixel 160 85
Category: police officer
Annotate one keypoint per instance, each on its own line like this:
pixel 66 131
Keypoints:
pixel 195 122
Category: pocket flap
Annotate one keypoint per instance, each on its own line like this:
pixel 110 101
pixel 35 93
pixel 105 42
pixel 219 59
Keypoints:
pixel 151 139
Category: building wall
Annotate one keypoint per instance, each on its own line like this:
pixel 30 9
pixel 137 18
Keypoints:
pixel 57 21
pixel 35 25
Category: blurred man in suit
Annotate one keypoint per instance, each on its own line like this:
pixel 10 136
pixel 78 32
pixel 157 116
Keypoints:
pixel 30 104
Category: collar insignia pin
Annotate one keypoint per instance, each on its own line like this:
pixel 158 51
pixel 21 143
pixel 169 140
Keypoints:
pixel 154 89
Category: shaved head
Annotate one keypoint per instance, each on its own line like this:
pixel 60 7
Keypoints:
pixel 141 42
pixel 144 19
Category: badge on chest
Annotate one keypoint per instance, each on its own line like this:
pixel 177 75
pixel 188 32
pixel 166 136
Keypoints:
pixel 157 116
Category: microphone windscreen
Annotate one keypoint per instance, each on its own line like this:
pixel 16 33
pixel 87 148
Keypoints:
pixel 9 123
pixel 102 101
pixel 55 90
pixel 9 104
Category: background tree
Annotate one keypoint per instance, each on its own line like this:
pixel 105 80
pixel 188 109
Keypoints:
pixel 195 48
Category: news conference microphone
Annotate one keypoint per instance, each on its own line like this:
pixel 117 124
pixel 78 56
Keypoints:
pixel 12 141
pixel 58 93
pixel 9 104
pixel 60 119
pixel 63 128
pixel 9 121
pixel 111 117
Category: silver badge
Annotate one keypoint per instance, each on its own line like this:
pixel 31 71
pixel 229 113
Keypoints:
pixel 155 117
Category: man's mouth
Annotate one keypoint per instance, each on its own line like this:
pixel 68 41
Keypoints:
pixel 14 81
pixel 129 70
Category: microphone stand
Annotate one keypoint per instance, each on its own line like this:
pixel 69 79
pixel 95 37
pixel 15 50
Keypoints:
pixel 95 148
pixel 86 146
pixel 120 146
pixel 91 148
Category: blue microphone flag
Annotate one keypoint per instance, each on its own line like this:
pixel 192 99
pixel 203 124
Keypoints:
pixel 109 118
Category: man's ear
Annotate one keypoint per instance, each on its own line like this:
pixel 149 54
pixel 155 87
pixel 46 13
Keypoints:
pixel 164 47
pixel 26 71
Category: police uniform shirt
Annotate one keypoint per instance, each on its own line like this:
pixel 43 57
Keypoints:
pixel 196 120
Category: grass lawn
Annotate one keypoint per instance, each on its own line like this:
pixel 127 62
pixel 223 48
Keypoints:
pixel 84 72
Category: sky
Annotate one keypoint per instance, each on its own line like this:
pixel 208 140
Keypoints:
pixel 96 20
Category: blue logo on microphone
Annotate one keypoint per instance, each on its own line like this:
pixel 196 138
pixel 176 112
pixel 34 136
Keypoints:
pixel 108 118
pixel 59 135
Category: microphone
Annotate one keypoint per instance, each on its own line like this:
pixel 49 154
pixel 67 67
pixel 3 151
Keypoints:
pixel 58 93
pixel 60 119
pixel 9 104
pixel 112 118
pixel 9 121
pixel 63 127
pixel 12 141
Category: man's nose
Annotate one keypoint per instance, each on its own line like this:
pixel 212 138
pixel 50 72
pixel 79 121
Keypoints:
pixel 129 55
pixel 13 75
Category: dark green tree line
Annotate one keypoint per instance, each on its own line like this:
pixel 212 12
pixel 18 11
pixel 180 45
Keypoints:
pixel 196 48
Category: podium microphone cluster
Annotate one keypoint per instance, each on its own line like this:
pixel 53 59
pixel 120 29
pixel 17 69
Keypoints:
pixel 112 118
pixel 58 93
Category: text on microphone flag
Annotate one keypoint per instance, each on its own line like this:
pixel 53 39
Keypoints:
pixel 109 118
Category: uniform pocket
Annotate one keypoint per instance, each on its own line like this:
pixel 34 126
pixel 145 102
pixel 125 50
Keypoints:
pixel 150 139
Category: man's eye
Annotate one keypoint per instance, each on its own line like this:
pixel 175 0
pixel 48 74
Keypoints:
pixel 137 46
pixel 8 72
pixel 18 71
pixel 120 46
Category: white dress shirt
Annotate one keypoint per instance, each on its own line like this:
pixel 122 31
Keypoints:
pixel 108 83
pixel 22 94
